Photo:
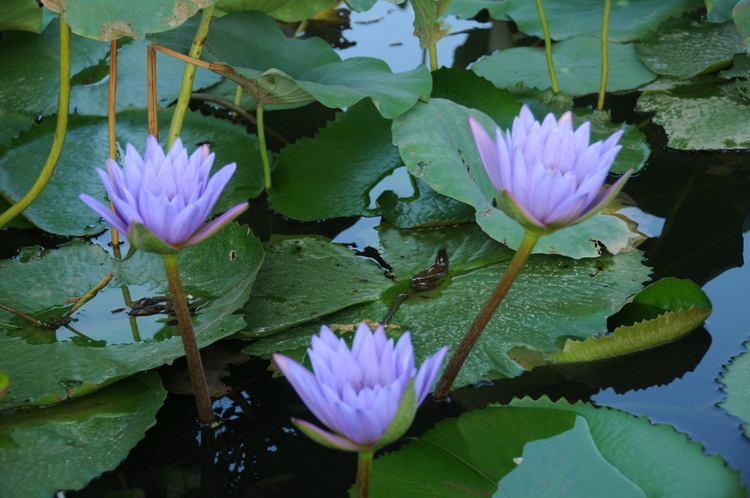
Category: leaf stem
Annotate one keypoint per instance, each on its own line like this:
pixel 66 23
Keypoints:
pixel 364 471
pixel 263 148
pixel 433 57
pixel 22 315
pixel 188 76
pixel 192 353
pixel 481 320
pixel 90 294
pixel 547 46
pixel 63 104
pixel 605 54
pixel 111 120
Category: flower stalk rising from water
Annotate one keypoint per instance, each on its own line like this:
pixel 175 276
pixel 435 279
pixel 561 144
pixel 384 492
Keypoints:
pixel 548 177
pixel 161 202
pixel 367 395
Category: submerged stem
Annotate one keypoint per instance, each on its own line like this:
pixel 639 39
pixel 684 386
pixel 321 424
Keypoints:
pixel 547 46
pixel 364 470
pixel 605 54
pixel 63 104
pixel 192 353
pixel 189 75
pixel 480 322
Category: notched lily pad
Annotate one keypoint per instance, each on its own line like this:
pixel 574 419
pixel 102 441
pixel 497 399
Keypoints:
pixel 736 382
pixel 219 272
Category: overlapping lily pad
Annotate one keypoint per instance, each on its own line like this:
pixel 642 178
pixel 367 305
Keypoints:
pixel 76 440
pixel 59 210
pixel 736 382
pixel 220 271
pixel 554 298
pixel 577 66
pixel 540 448
pixel 275 69
pixel 437 146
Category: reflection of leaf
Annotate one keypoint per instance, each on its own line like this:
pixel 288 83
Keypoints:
pixel 275 69
pixel 208 270
pixel 565 449
pixel 554 297
pixel 59 210
pixel 106 20
pixel 436 145
pixel 737 385
pixel 77 440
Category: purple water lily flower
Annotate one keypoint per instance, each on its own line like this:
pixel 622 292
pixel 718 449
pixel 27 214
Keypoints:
pixel 547 175
pixel 366 395
pixel 171 196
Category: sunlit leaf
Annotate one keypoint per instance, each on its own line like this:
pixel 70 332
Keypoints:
pixel 105 20
pixel 103 346
pixel 429 21
pixel 43 450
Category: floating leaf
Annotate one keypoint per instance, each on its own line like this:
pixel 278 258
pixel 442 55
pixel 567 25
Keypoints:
pixel 577 66
pixel 615 454
pixel 682 306
pixel 429 209
pixel 741 16
pixel 331 176
pixel 304 278
pixel 554 297
pixel 105 20
pixel 628 20
pixel 690 47
pixel 284 10
pixel 275 69
pixel 219 272
pixel 437 146
pixel 12 124
pixel 77 440
pixel 31 64
pixel 736 382
pixel 59 210
pixel 699 122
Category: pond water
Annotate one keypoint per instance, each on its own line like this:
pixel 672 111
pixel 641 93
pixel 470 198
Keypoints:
pixel 693 207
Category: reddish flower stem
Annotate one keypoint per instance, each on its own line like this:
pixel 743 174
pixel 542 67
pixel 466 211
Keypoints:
pixel 480 322
pixel 192 353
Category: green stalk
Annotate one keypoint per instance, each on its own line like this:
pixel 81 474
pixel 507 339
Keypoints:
pixel 547 46
pixel 63 103
pixel 480 322
pixel 237 101
pixel 263 148
pixel 364 470
pixel 188 76
pixel 433 57
pixel 192 353
pixel 605 54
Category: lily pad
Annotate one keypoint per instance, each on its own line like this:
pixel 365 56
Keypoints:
pixel 736 382
pixel 21 15
pixel 219 271
pixel 700 123
pixel 673 308
pixel 429 21
pixel 690 47
pixel 59 210
pixel 304 278
pixel 428 209
pixel 13 124
pixel 76 440
pixel 577 66
pixel 553 298
pixel 436 145
pixel 104 20
pixel 527 450
pixel 275 69
pixel 331 176
pixel 29 80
